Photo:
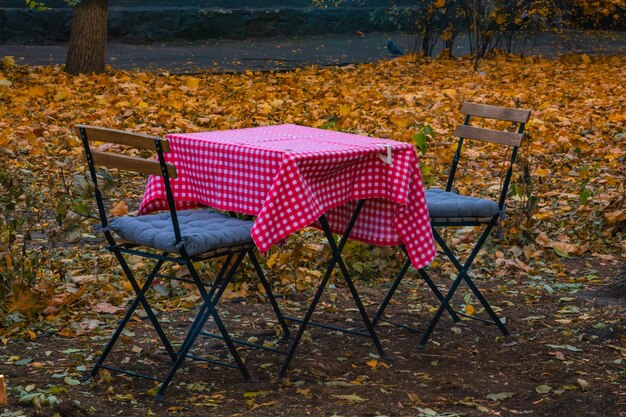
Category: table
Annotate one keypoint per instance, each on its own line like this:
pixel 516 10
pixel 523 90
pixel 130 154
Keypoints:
pixel 291 176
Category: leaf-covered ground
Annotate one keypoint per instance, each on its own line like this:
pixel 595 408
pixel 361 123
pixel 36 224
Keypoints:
pixel 564 235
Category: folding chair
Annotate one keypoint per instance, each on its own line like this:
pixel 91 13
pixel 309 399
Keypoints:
pixel 182 237
pixel 449 209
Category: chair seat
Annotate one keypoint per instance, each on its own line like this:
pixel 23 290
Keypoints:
pixel 202 230
pixel 448 205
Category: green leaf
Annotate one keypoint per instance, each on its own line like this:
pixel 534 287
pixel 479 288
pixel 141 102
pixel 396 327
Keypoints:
pixel 543 389
pixel 23 362
pixel 28 397
pixel 56 389
pixel 421 142
pixel 71 350
pixel 560 253
pixel 500 396
pixel 71 381
pixel 583 196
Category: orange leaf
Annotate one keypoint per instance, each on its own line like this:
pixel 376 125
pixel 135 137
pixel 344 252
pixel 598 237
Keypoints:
pixel 567 248
pixel 615 216
pixel 469 309
pixel 119 209
pixel 66 333
pixel 24 301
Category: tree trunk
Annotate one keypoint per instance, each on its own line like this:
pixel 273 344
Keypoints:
pixel 616 289
pixel 88 37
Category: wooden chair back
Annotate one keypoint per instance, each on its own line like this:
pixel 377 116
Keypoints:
pixel 110 159
pixel 518 119
pixel 133 140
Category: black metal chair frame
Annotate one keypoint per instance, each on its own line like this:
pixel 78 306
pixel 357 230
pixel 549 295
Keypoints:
pixel 210 298
pixel 519 117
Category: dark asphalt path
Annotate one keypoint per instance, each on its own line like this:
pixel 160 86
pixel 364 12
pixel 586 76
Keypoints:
pixel 287 53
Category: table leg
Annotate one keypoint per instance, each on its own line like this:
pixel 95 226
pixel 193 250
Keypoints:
pixel 336 259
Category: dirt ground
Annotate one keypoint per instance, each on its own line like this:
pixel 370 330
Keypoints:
pixel 566 358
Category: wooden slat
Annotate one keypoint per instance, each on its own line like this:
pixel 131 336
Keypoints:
pixel 451 220
pixel 495 112
pixel 121 137
pixel 488 135
pixel 131 163
pixel 224 251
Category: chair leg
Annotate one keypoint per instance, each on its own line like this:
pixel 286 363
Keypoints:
pixel 203 293
pixel 462 276
pixel 433 322
pixel 438 294
pixel 394 287
pixel 140 292
pixel 270 294
pixel 207 309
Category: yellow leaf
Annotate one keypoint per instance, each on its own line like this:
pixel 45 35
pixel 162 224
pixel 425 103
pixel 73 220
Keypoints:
pixel 31 334
pixel 450 92
pixel 119 209
pixel 306 392
pixel 500 19
pixel 61 95
pixel 8 62
pixel 402 121
pixel 193 83
pixel 344 109
pixel 585 58
pixel 127 286
pixel 36 91
pixel 351 398
pixel 373 363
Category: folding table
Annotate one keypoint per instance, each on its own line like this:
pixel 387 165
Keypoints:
pixel 290 177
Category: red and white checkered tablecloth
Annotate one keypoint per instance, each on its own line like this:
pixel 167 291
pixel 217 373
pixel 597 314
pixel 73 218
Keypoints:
pixel 288 176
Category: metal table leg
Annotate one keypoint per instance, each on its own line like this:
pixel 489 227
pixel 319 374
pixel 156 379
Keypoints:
pixel 336 259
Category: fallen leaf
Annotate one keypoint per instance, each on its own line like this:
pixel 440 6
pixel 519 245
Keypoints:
pixel 351 398
pixel 500 396
pixel 543 389
pixel 104 307
pixel 615 216
pixel 8 62
pixel 119 209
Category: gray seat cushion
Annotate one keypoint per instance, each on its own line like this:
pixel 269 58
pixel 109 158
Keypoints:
pixel 445 204
pixel 202 230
